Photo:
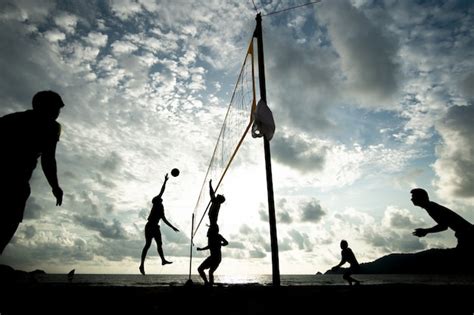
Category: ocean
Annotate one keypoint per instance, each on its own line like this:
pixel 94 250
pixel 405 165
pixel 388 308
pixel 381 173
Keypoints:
pixel 249 294
pixel 225 280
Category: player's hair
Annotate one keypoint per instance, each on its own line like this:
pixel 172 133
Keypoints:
pixel 420 193
pixel 220 198
pixel 44 99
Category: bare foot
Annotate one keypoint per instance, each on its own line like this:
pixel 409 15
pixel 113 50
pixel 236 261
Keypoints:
pixel 142 269
pixel 165 262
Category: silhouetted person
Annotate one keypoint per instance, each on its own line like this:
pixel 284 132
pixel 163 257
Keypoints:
pixel 349 257
pixel 216 202
pixel 214 243
pixel 24 137
pixel 70 275
pixel 152 229
pixel 445 218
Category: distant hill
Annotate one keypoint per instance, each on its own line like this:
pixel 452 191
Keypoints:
pixel 432 261
pixel 9 275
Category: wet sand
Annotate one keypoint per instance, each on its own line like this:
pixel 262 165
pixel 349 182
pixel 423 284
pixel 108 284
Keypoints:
pixel 71 298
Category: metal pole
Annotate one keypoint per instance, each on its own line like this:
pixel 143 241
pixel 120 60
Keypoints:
pixel 268 162
pixel 191 248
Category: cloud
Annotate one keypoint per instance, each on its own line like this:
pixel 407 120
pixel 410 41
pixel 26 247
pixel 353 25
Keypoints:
pixel 299 153
pixel 305 210
pixel 367 55
pixel 391 242
pixel 116 249
pixel 29 231
pixel 301 240
pixel 46 248
pixel 408 178
pixel 33 209
pixel 400 219
pixel 27 10
pixel 66 21
pixel 112 162
pixel 125 9
pixel 284 217
pixel 284 244
pixel 257 253
pixel 179 238
pixel 257 245
pixel 394 233
pixel 123 48
pixel 106 183
pixel 312 211
pixel 263 214
pixel 302 85
pixel 54 36
pixel 107 230
pixel 143 213
pixel 348 164
pixel 455 162
pixel 467 86
pixel 430 48
pixel 96 39
pixel 284 212
pixel 24 73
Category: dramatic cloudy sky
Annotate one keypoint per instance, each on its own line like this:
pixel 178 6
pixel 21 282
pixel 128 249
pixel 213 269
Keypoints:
pixel 370 99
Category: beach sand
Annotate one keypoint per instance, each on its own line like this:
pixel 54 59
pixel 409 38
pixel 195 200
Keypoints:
pixel 71 298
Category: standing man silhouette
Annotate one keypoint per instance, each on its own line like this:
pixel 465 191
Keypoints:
pixel 24 137
pixel 152 228
pixel 214 243
pixel 445 218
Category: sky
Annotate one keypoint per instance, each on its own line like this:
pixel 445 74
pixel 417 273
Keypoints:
pixel 370 99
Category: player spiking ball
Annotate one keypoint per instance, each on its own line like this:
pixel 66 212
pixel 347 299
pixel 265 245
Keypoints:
pixel 175 172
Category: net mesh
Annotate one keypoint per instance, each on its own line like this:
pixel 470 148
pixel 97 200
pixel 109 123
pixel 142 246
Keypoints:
pixel 237 122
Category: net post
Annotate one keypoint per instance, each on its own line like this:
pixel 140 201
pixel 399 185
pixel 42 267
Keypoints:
pixel 268 163
pixel 191 249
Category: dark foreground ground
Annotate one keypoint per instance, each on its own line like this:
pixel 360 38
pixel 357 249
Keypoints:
pixel 74 298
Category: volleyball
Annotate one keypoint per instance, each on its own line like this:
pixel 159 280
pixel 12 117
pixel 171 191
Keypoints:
pixel 175 172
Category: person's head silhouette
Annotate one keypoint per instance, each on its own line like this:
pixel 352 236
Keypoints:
pixel 344 244
pixel 220 198
pixel 419 197
pixel 48 104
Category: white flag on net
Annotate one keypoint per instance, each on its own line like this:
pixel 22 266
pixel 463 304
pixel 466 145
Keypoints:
pixel 263 124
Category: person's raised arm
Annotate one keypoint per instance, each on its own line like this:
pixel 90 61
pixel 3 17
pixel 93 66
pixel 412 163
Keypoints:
pixel 163 187
pixel 211 190
pixel 48 163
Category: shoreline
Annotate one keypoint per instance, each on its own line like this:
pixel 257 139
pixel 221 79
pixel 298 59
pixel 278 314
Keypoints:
pixel 77 298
